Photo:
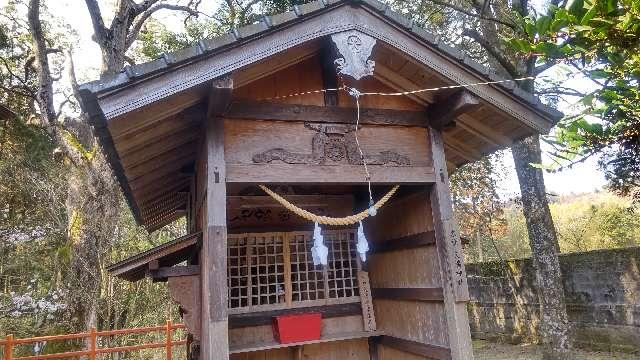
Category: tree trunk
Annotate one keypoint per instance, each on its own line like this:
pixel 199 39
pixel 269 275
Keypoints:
pixel 544 249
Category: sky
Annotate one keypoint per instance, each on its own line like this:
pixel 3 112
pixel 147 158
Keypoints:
pixel 583 177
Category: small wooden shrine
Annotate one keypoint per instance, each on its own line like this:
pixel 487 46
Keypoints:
pixel 317 106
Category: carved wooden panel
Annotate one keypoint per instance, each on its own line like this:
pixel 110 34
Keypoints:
pixel 331 143
pixel 277 142
pixel 368 315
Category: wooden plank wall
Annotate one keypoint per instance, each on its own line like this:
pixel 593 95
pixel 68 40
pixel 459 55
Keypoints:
pixel 348 350
pixel 421 321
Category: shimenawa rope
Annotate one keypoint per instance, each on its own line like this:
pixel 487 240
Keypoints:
pixel 326 220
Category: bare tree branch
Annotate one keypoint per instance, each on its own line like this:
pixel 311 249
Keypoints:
pixel 133 33
pixel 99 30
pixel 504 62
pixel 473 14
pixel 45 90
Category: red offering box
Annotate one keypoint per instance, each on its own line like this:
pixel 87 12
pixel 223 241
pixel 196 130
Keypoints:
pixel 297 328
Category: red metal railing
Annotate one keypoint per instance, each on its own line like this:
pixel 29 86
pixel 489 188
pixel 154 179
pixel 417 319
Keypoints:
pixel 9 342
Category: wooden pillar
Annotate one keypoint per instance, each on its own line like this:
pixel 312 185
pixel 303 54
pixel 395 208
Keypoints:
pixel 215 339
pixel 454 279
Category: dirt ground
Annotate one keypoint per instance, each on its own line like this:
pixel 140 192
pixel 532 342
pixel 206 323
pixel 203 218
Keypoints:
pixel 484 350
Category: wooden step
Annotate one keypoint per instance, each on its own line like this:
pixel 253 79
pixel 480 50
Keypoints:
pixel 328 338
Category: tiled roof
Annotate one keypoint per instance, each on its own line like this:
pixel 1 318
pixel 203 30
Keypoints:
pixel 208 47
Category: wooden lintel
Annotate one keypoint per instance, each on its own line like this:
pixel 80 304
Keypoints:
pixel 416 348
pixel 163 273
pixel 266 317
pixel 220 96
pixel 444 112
pixel 263 110
pixel 330 174
pixel 419 294
pixel 422 239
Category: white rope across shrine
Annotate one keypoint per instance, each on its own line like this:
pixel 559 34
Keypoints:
pixel 403 93
pixel 319 251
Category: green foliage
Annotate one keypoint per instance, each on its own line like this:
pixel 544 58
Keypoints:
pixel 155 38
pixel 601 39
pixel 584 222
pixel 596 221
pixel 477 204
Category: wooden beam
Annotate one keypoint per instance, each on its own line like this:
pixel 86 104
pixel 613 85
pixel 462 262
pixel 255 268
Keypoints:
pixel 185 121
pixel 159 148
pixel 450 256
pixel 263 110
pixel 417 348
pixel 329 77
pixel 419 294
pixel 483 131
pixel 391 78
pixel 220 96
pixel 152 114
pixel 329 174
pixel 160 164
pixel 465 150
pixel 266 317
pixel 159 168
pixel 213 256
pixel 373 348
pixel 144 259
pixel 163 273
pixel 149 194
pixel 445 111
pixel 406 242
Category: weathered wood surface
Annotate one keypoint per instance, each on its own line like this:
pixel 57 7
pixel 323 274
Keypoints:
pixel 420 294
pixel 451 258
pixel 445 111
pixel 213 260
pixel 339 350
pixel 266 110
pixel 329 76
pixel 185 290
pixel 421 321
pixel 413 241
pixel 417 348
pixel 327 174
pixel 368 314
pixel 266 317
pixel 163 273
pixel 373 349
pixel 247 139
pixel 170 253
pixel 261 213
pixel 244 338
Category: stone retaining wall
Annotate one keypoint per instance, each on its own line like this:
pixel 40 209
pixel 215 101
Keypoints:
pixel 602 289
